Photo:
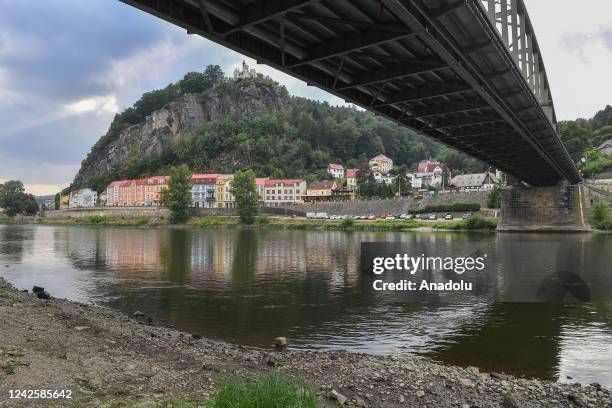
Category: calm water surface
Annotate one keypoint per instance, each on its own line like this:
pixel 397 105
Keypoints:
pixel 250 286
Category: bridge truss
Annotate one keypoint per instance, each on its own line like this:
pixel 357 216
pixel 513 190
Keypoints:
pixel 468 73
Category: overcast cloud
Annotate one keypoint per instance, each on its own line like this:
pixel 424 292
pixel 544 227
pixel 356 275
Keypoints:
pixel 67 66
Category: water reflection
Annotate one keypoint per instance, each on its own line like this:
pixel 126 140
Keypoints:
pixel 249 286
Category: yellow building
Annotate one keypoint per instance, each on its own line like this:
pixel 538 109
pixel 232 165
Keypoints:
pixel 64 201
pixel 224 197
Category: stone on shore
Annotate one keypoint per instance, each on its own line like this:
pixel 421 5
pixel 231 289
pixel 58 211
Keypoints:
pixel 335 395
pixel 280 342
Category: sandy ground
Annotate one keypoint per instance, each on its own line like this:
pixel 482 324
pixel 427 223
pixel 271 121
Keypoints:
pixel 102 356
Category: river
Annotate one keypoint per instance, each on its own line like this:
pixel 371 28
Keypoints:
pixel 249 286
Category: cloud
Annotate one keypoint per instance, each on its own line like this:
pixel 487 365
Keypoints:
pixel 97 104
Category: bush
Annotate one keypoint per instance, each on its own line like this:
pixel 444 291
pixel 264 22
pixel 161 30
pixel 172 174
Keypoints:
pixel 601 217
pixel 263 220
pixel 272 390
pixel 473 222
pixel 452 207
pixel 347 223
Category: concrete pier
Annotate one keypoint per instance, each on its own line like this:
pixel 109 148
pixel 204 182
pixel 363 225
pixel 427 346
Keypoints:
pixel 557 208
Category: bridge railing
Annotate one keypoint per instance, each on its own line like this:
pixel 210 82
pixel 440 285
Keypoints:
pixel 514 28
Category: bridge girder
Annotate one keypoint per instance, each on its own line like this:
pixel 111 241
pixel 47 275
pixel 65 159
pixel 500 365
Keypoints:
pixel 413 64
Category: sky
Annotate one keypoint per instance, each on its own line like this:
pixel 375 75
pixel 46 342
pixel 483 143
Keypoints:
pixel 67 66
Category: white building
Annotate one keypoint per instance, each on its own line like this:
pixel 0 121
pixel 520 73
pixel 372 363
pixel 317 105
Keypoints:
pixel 245 72
pixel 474 182
pixel 336 170
pixel 285 191
pixel 381 163
pixel 380 177
pixel 430 173
pixel 83 198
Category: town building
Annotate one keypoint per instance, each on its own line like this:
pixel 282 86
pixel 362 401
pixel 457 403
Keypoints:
pixel 152 190
pixel 430 173
pixel 336 170
pixel 351 178
pixel 138 193
pixel 48 205
pixel 381 163
pixel 64 201
pixel 203 190
pixel 283 192
pixel 606 148
pixel 320 190
pixel 381 177
pixel 83 198
pixel 260 185
pixel 474 182
pixel 223 195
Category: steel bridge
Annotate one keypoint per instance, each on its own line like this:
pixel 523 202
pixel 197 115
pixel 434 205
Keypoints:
pixel 468 73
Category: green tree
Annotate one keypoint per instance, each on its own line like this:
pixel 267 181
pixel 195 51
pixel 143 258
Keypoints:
pixel 576 136
pixel 245 194
pixel 494 198
pixel 15 200
pixel 56 200
pixel 177 197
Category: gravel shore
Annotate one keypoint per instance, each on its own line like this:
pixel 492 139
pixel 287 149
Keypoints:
pixel 104 357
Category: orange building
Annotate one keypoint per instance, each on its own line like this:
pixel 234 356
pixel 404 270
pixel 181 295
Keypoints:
pixel 142 192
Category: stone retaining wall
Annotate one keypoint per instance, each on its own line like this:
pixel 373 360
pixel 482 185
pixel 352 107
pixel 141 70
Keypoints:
pixel 390 206
pixel 109 212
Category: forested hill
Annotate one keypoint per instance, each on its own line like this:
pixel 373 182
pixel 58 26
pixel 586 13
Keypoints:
pixel 217 124
pixel 582 137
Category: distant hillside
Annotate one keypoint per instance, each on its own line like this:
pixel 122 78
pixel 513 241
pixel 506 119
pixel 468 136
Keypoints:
pixel 216 124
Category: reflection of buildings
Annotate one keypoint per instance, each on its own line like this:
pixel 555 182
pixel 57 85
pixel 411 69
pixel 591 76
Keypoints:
pixel 134 252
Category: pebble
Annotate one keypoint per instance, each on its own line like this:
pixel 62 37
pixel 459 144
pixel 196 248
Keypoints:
pixel 335 395
pixel 420 393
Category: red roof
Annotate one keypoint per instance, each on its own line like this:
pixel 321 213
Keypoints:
pixel 119 183
pixel 283 182
pixel 351 173
pixel 261 181
pixel 203 178
pixel 427 166
pixel 335 166
pixel 322 185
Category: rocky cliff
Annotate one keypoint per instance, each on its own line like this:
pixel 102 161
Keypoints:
pixel 185 115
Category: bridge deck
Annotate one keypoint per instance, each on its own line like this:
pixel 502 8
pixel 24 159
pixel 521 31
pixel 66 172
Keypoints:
pixel 440 67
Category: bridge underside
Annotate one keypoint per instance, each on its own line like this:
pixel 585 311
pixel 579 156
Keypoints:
pixel 439 67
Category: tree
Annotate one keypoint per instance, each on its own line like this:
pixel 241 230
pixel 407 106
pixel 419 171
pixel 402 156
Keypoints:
pixel 576 137
pixel 14 199
pixel 177 197
pixel 245 194
pixel 56 200
pixel 494 198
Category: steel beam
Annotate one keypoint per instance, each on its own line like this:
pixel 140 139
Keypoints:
pixel 392 72
pixel 358 41
pixel 256 13
pixel 448 109
pixel 424 93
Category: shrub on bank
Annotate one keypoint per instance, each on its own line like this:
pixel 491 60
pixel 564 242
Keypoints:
pixel 601 218
pixel 452 207
pixel 263 220
pixel 272 390
pixel 473 222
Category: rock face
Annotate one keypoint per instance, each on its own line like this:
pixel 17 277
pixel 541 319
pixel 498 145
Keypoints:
pixel 187 114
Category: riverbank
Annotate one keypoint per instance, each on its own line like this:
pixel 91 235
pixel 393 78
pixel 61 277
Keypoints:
pixel 478 224
pixel 108 359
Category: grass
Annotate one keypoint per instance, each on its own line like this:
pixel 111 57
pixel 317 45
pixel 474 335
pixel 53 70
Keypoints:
pixel 95 220
pixel 473 222
pixel 10 369
pixel 273 390
pixel 601 218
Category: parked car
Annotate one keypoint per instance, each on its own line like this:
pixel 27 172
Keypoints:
pixel 466 215
pixel 389 217
pixel 371 217
pixel 448 216
pixel 432 217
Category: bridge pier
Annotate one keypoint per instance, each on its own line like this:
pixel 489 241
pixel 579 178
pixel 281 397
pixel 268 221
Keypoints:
pixel 556 208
